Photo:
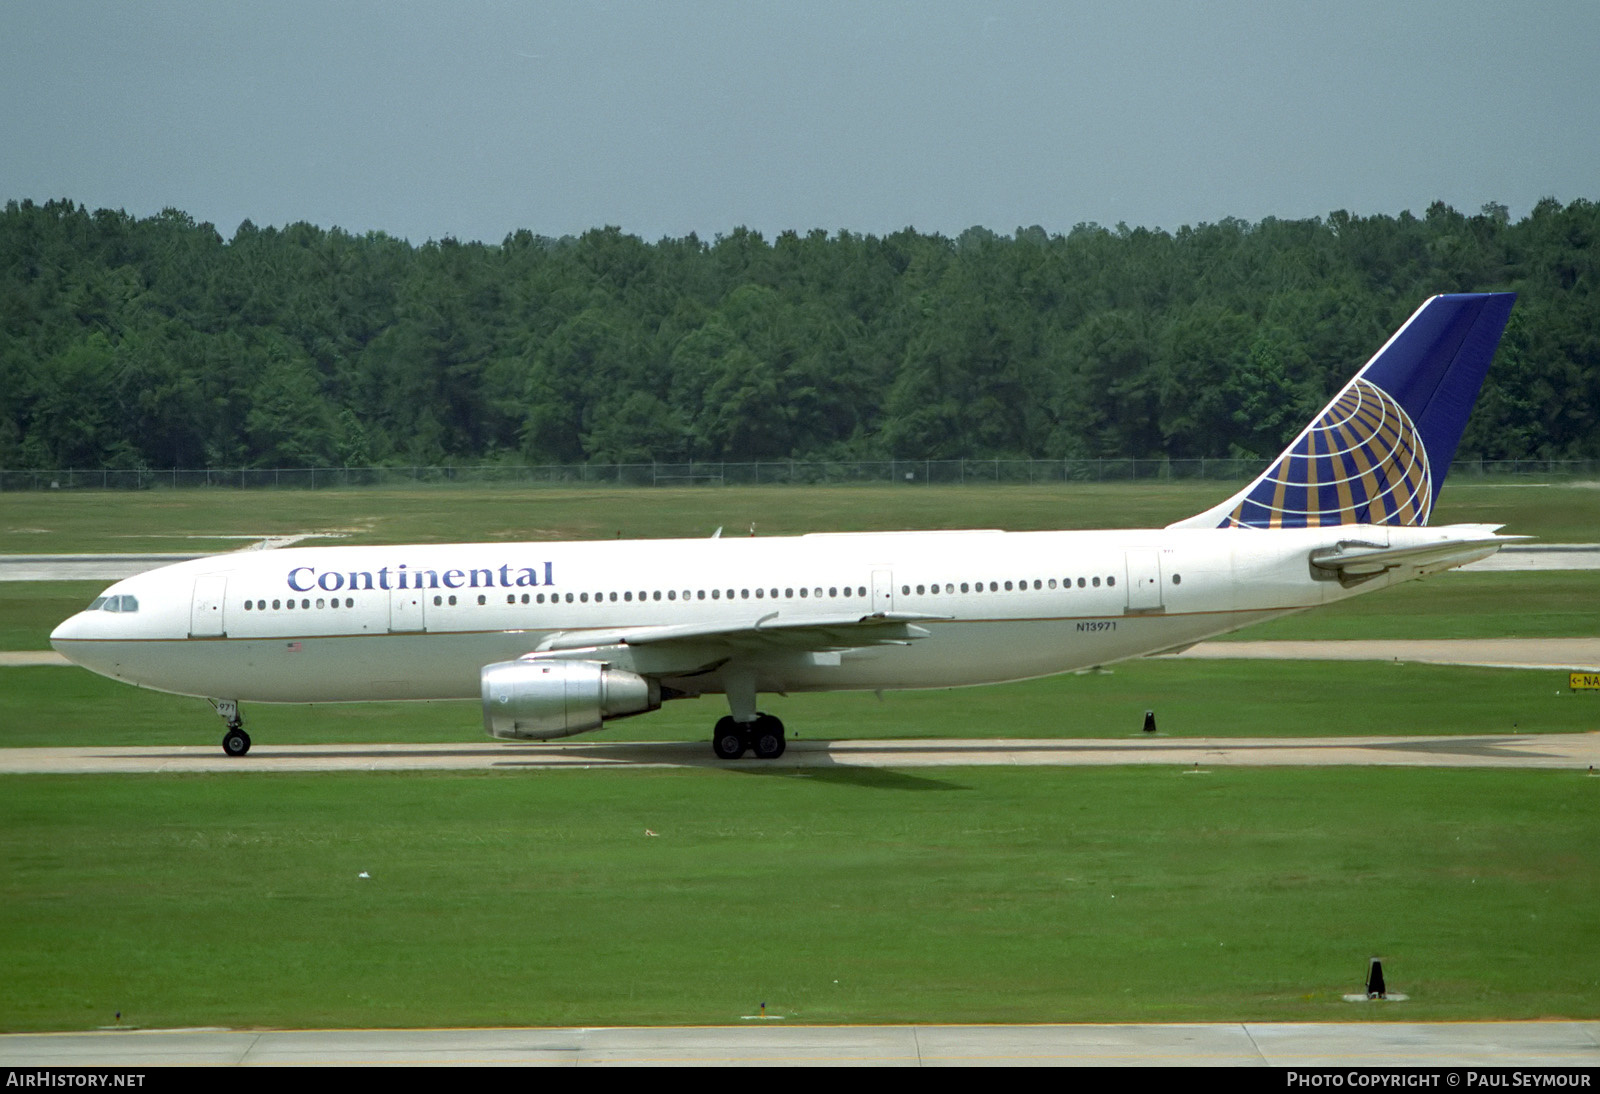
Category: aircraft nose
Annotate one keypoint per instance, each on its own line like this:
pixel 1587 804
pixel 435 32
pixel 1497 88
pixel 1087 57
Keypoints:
pixel 69 629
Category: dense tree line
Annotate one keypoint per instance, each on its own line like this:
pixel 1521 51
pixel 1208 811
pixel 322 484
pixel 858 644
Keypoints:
pixel 154 342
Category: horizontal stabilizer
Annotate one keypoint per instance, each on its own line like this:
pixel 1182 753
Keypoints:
pixel 1355 560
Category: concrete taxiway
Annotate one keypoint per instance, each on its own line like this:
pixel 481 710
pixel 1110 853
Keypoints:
pixel 1230 1044
pixel 1576 752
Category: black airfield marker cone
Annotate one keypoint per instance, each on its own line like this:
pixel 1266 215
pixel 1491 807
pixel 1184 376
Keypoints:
pixel 1149 721
pixel 1375 986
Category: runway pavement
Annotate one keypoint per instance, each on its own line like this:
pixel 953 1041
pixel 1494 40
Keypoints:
pixel 1576 752
pixel 1384 1044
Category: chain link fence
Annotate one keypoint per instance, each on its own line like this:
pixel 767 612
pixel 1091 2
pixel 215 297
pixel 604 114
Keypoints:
pixel 719 473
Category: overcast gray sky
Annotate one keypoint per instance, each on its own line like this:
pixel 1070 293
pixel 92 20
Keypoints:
pixel 474 119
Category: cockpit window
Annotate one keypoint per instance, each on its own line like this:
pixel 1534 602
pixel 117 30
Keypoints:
pixel 95 605
pixel 115 604
pixel 130 604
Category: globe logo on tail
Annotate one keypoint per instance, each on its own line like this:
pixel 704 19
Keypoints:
pixel 1361 462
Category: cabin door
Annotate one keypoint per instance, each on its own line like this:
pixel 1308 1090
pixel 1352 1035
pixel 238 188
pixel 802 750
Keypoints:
pixel 205 613
pixel 882 590
pixel 1144 581
pixel 405 610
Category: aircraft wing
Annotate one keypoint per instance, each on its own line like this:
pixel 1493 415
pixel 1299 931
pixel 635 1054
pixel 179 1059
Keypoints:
pixel 769 633
pixel 693 648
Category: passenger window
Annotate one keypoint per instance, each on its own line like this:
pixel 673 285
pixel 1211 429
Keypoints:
pixel 788 594
pixel 760 593
pixel 1111 581
pixel 1097 583
pixel 321 603
pixel 701 595
pixel 438 600
pixel 275 605
pixel 1008 586
pixel 1080 583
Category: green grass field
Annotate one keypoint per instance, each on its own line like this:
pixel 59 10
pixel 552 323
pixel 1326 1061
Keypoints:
pixel 973 895
pixel 189 520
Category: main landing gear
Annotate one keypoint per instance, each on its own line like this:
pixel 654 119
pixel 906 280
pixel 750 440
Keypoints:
pixel 235 741
pixel 764 736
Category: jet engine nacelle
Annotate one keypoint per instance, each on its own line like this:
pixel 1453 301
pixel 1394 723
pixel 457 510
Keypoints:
pixel 538 700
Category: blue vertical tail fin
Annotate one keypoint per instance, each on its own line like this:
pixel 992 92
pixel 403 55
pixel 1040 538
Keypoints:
pixel 1378 453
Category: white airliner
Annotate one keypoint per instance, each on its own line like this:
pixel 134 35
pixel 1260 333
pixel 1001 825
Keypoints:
pixel 558 638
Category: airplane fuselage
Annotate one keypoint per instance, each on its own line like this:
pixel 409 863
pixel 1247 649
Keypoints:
pixel 347 624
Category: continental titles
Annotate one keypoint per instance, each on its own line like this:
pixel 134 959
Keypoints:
pixel 305 579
